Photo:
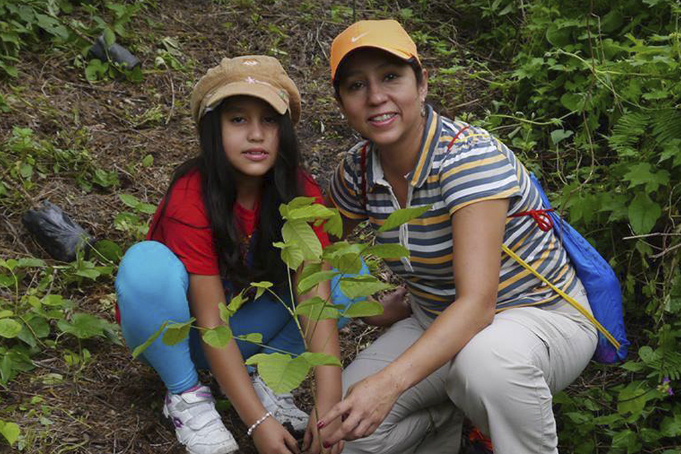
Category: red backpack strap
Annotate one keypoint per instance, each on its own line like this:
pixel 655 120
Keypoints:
pixel 451 142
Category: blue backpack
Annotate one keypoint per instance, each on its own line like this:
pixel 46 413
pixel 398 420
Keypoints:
pixel 601 284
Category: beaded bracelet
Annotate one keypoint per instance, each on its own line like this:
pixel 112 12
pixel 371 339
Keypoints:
pixel 257 423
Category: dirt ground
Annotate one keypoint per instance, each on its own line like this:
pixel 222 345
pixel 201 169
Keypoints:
pixel 113 404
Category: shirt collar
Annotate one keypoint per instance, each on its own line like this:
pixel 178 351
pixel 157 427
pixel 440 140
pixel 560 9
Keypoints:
pixel 429 143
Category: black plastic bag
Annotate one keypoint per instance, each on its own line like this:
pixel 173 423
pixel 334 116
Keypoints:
pixel 56 232
pixel 115 53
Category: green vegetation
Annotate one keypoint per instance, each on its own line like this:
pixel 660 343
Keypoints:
pixel 586 92
pixel 590 98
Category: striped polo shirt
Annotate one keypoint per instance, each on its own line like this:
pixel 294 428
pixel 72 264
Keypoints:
pixel 477 167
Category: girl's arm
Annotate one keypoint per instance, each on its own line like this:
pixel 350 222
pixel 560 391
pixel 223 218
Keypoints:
pixel 478 231
pixel 227 366
pixel 322 337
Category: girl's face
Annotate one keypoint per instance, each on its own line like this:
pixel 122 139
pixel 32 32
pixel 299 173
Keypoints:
pixel 250 135
pixel 380 97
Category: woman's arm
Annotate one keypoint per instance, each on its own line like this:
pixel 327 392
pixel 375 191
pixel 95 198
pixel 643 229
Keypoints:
pixel 478 231
pixel 227 366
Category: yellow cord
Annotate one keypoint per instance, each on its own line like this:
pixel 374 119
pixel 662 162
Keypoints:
pixel 565 296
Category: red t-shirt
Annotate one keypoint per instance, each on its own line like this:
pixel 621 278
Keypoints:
pixel 185 227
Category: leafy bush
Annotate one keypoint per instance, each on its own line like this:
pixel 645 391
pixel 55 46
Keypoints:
pixel 591 102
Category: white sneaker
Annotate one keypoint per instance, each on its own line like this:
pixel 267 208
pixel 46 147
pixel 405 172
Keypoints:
pixel 197 423
pixel 280 405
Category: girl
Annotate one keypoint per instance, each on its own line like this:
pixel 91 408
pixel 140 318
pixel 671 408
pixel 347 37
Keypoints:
pixel 480 335
pixel 212 235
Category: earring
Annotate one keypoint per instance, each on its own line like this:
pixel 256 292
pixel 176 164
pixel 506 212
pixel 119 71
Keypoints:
pixel 423 109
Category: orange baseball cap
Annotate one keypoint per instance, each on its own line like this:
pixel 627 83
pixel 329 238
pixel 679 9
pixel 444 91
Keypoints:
pixel 387 35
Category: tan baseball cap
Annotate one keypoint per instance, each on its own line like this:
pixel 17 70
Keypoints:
pixel 387 35
pixel 254 75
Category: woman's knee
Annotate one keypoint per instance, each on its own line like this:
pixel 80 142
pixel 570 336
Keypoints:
pixel 489 369
pixel 149 270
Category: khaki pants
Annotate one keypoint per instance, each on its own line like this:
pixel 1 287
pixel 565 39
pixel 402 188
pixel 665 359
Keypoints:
pixel 503 380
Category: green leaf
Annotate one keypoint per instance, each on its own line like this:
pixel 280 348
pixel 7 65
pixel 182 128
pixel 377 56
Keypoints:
pixel 402 216
pixel 109 250
pixel 671 427
pixel 30 263
pixel 557 36
pixel 217 337
pixel 84 326
pixel 10 431
pixel 363 309
pixel 301 234
pixel 355 287
pixel 279 371
pixel 632 399
pixel 109 37
pixel 642 174
pixel 177 332
pixel 309 269
pixel 347 263
pixel 299 202
pixel 146 208
pixel 386 251
pixel 559 135
pixel 6 368
pixel 129 200
pixel 225 312
pixel 309 213
pixel 261 286
pixel 256 338
pixel 320 359
pixel 334 225
pixel 316 308
pixel 9 328
pixel 291 254
pixel 310 282
pixel 572 101
pixel 6 313
pixel 236 303
pixel 148 161
pixel 140 348
pixel 643 213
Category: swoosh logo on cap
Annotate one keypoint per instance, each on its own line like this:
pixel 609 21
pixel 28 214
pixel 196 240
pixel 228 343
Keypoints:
pixel 355 38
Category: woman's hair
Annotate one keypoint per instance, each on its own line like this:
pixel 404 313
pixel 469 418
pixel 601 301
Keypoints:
pixel 218 180
pixel 412 62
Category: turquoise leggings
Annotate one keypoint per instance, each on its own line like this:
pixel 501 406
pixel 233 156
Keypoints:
pixel 152 286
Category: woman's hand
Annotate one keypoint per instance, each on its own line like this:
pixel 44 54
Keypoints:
pixel 270 437
pixel 363 409
pixel 312 444
pixel 395 308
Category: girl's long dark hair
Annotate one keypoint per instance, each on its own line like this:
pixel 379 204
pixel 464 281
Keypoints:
pixel 218 178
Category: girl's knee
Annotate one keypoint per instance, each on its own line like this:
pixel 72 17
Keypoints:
pixel 148 269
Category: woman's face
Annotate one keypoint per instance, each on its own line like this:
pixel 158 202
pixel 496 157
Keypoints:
pixel 250 135
pixel 380 97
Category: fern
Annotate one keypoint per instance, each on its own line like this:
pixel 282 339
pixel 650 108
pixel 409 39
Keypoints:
pixel 666 125
pixel 628 131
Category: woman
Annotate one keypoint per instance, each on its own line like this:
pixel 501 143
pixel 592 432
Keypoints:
pixel 481 336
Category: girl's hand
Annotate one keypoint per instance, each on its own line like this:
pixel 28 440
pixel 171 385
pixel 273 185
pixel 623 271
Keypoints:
pixel 270 437
pixel 312 444
pixel 364 408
